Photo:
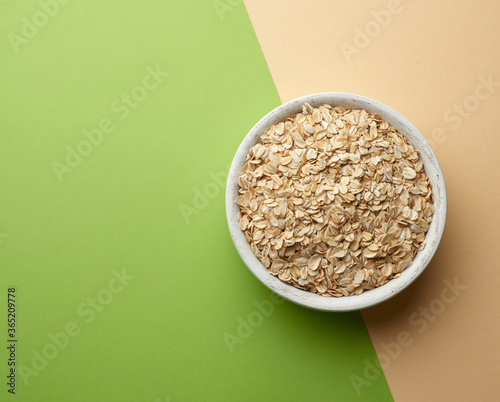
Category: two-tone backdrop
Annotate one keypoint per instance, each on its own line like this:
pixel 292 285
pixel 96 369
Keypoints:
pixel 118 276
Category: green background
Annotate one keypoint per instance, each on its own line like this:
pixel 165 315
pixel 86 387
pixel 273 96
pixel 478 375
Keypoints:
pixel 160 337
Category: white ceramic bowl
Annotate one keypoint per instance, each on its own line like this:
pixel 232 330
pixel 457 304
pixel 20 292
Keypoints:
pixel 369 297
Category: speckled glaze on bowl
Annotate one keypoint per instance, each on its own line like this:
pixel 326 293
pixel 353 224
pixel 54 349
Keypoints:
pixel 370 297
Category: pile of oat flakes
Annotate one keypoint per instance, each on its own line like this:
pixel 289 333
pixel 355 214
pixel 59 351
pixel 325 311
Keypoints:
pixel 334 201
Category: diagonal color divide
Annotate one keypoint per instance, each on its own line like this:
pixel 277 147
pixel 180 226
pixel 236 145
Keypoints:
pixel 437 340
pixel 146 197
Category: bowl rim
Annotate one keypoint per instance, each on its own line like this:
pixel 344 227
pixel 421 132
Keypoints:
pixel 371 297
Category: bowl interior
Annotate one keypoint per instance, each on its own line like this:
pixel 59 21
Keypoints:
pixel 369 297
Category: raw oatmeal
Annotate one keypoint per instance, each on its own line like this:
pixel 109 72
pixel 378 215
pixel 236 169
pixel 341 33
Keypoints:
pixel 334 201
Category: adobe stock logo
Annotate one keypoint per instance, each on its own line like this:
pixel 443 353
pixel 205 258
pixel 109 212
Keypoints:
pixel 246 326
pixel 201 198
pixel 224 6
pixel 87 312
pixel 418 321
pixel 32 26
pixel 455 116
pixel 372 29
pixel 122 107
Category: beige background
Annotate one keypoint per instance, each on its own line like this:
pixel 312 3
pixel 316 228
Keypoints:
pixel 429 57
